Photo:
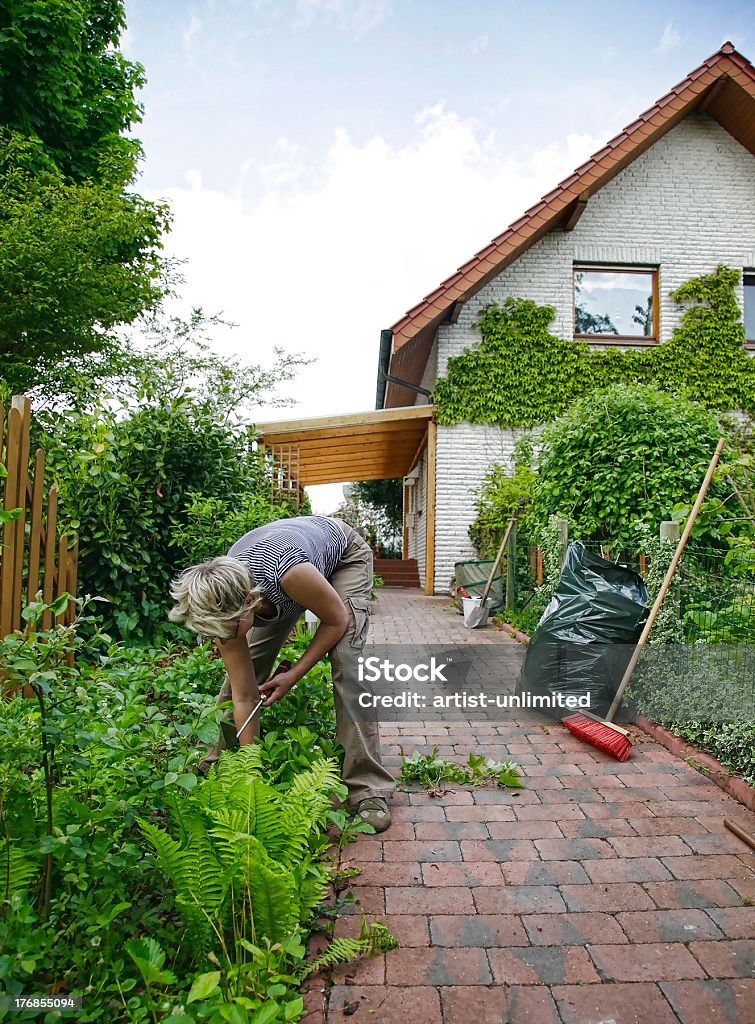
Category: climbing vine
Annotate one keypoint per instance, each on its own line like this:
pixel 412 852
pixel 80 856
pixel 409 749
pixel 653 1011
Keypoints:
pixel 519 374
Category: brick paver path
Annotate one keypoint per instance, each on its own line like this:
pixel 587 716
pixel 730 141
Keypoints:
pixel 602 893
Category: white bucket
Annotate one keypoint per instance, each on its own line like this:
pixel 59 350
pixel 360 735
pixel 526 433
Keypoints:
pixel 471 609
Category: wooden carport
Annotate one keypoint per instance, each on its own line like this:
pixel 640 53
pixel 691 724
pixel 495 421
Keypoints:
pixel 376 445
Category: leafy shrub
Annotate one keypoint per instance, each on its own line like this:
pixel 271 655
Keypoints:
pixel 621 455
pixel 502 495
pixel 112 741
pixel 162 475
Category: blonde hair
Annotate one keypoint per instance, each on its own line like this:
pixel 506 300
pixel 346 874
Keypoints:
pixel 211 597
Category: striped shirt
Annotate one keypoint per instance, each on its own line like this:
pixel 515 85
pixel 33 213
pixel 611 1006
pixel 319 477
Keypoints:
pixel 270 551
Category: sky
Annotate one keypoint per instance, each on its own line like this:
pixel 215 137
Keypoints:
pixel 330 162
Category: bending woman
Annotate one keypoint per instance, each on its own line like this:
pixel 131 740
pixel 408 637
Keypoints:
pixel 250 600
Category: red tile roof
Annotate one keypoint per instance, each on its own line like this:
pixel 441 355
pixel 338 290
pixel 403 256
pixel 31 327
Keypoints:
pixel 723 86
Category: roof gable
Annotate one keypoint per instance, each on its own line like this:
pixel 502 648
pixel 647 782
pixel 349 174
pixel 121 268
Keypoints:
pixel 723 86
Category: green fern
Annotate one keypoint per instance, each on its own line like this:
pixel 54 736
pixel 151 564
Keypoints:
pixel 17 870
pixel 374 939
pixel 239 843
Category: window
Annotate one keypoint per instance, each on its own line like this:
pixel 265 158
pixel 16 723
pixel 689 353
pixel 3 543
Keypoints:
pixel 616 303
pixel 749 304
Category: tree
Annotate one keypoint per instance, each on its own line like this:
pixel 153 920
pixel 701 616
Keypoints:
pixel 63 81
pixel 75 261
pixel 382 504
pixel 79 252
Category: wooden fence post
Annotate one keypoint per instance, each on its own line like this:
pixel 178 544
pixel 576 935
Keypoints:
pixel 29 542
pixel 563 539
pixel 511 569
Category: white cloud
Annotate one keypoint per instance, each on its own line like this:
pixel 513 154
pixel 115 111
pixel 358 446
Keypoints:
pixel 322 268
pixel 479 44
pixel 669 40
pixel 354 16
pixel 189 34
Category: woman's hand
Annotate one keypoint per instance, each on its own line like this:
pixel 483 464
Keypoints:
pixel 278 686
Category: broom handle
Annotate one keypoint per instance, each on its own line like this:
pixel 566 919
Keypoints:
pixel 497 562
pixel 666 581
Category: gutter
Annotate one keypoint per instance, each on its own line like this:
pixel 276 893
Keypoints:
pixel 384 378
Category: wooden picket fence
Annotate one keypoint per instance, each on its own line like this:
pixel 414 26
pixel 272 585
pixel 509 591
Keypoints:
pixel 32 557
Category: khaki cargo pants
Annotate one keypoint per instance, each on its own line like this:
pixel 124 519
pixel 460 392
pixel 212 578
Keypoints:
pixel 363 770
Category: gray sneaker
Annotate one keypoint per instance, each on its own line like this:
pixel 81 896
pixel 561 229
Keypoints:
pixel 374 810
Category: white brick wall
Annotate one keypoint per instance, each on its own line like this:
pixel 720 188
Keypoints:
pixel 687 204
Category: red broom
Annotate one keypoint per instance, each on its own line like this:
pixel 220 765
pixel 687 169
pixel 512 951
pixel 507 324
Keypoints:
pixel 602 733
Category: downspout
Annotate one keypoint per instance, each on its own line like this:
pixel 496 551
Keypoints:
pixel 384 378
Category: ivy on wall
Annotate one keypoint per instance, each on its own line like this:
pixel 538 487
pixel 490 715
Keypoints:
pixel 519 375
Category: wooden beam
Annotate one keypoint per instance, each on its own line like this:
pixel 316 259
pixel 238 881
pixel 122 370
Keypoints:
pixel 405 536
pixel 418 453
pixel 362 442
pixel 318 437
pixel 370 419
pixel 455 311
pixel 432 432
pixel 712 94
pixel 577 210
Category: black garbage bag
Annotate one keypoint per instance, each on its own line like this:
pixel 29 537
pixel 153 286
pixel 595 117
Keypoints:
pixel 586 635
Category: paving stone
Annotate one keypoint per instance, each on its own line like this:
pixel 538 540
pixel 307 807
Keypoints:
pixel 437 850
pixel 498 850
pixel 572 929
pixel 531 1005
pixel 439 966
pixel 620 1003
pixel 650 846
pixel 410 1004
pixel 482 873
pixel 488 813
pixel 589 829
pixel 409 929
pixel 707 866
pixel 365 971
pixel 552 872
pixel 545 965
pixel 668 826
pixel 368 898
pixel 722 842
pixel 633 809
pixel 637 869
pixel 465 1003
pixel 451 798
pixel 668 925
pixel 651 961
pixel 387 874
pixel 735 922
pixel 418 812
pixel 696 893
pixel 523 830
pixel 480 930
pixel 606 898
pixel 575 849
pixel 702 1002
pixel 551 812
pixel 518 899
pixel 453 830
pixel 732 959
pixel 422 900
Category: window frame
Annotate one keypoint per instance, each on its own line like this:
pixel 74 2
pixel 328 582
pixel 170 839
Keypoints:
pixel 747 273
pixel 619 268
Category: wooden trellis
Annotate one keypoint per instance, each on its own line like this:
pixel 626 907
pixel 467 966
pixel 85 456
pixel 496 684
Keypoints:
pixel 285 473
pixel 32 557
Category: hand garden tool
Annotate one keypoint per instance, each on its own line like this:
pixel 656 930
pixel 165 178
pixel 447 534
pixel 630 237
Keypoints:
pixel 230 733
pixel 474 615
pixel 601 733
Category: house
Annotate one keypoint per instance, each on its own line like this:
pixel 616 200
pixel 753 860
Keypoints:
pixel 669 198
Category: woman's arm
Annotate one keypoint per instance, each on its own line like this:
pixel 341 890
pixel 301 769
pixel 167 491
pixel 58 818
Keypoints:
pixel 240 668
pixel 309 588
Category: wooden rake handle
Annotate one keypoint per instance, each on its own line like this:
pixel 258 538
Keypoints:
pixel 691 520
pixel 497 562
